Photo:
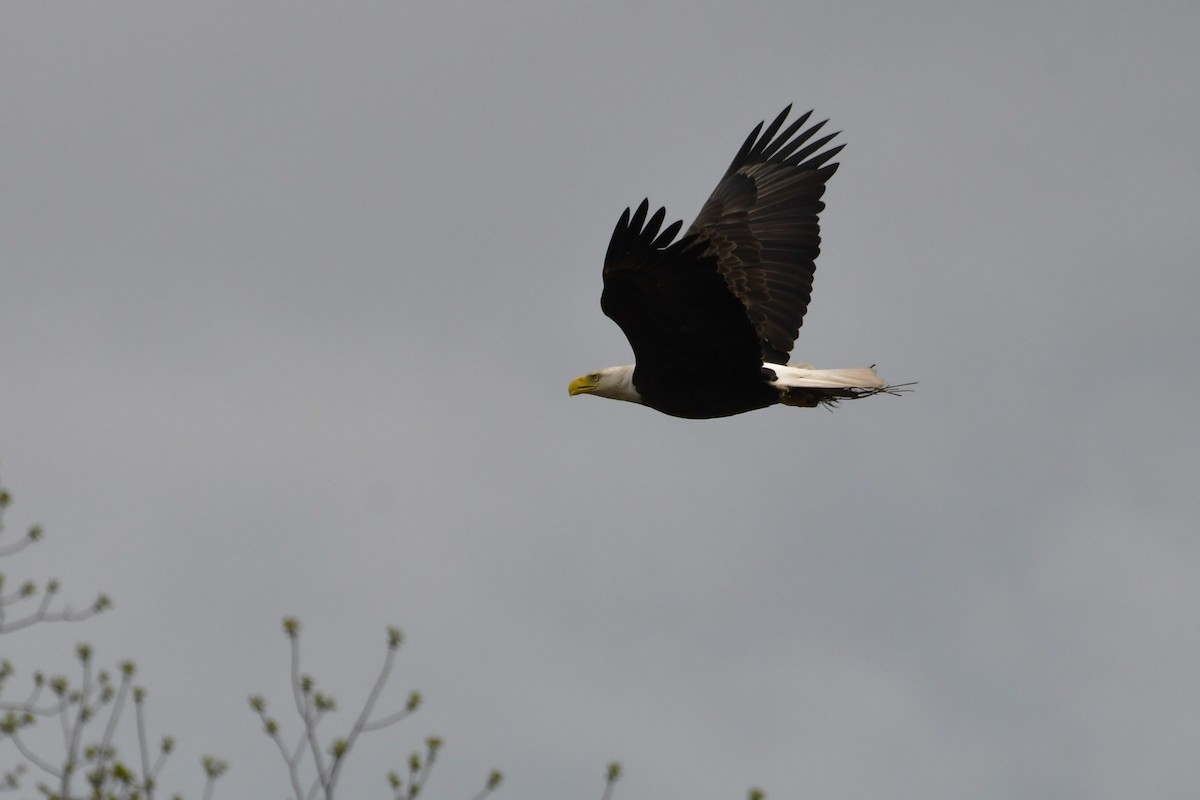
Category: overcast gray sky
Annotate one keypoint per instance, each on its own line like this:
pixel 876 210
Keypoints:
pixel 290 295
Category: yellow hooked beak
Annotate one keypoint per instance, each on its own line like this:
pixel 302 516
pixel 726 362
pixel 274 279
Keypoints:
pixel 584 384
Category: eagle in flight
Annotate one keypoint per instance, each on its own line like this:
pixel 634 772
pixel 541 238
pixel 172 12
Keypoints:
pixel 712 316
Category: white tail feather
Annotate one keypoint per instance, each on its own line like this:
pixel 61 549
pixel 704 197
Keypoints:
pixel 806 377
pixel 806 387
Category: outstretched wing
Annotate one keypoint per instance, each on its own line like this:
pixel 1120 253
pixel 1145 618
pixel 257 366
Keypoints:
pixel 674 305
pixel 760 225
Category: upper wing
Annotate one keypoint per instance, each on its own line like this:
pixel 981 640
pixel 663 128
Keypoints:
pixel 673 303
pixel 760 224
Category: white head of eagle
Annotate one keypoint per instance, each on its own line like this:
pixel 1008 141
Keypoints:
pixel 712 316
pixel 615 383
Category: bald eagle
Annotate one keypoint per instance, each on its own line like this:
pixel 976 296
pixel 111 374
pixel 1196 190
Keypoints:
pixel 713 315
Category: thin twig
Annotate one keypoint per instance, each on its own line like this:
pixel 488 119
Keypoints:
pixel 66 615
pixel 360 724
pixel 32 757
pixel 208 787
pixel 17 546
pixel 113 716
pixel 304 707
